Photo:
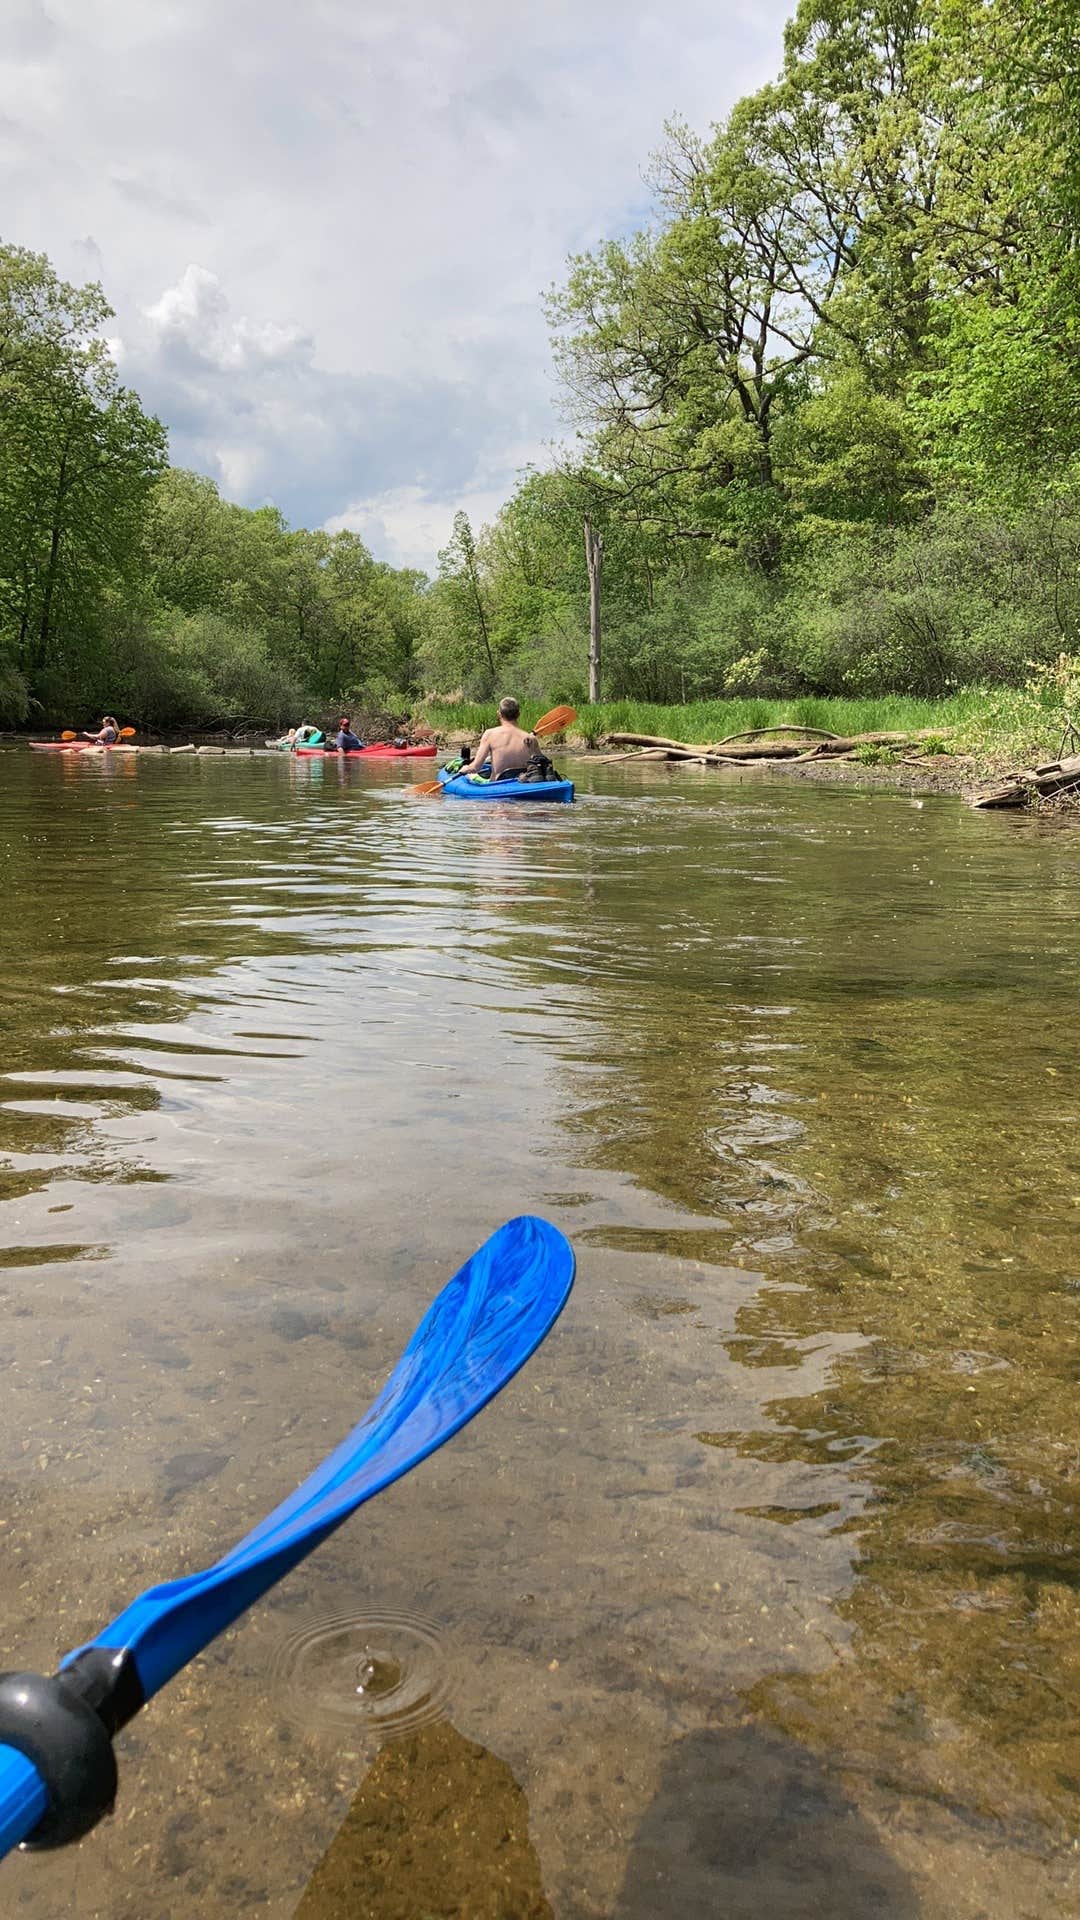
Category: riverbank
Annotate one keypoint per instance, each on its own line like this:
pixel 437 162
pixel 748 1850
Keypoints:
pixel 960 744
pixel 966 744
pixel 719 719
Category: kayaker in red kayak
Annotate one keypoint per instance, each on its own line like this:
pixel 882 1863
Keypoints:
pixel 108 734
pixel 347 741
pixel 507 746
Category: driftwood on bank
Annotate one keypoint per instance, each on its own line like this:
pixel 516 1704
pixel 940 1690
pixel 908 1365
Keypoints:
pixel 847 743
pixel 756 733
pixel 686 756
pixel 739 749
pixel 680 750
pixel 1057 777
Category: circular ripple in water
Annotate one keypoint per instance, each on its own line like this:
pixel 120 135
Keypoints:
pixel 389 1672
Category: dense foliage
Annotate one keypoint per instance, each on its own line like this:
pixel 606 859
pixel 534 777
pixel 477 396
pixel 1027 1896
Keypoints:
pixel 132 586
pixel 829 401
pixel 827 413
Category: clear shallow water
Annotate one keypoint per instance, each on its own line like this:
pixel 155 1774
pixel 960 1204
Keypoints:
pixel 759 1583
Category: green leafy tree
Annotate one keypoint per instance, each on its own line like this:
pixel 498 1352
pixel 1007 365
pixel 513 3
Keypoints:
pixel 458 643
pixel 78 457
pixel 682 348
pixel 1000 409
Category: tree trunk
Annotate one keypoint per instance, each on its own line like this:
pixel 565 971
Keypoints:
pixel 482 618
pixel 1060 776
pixel 45 629
pixel 463 533
pixel 594 561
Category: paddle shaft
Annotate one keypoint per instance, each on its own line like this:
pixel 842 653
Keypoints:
pixel 475 1336
pixel 126 733
pixel 23 1799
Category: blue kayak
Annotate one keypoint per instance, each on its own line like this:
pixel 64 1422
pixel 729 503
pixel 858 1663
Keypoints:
pixel 459 786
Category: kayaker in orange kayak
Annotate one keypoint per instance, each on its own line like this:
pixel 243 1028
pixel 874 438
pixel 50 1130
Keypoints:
pixel 107 735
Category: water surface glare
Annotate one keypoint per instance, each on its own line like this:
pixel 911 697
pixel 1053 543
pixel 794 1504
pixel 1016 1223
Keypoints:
pixel 760 1580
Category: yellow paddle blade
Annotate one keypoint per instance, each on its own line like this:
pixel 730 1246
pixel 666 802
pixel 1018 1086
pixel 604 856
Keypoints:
pixel 127 733
pixel 556 721
pixel 69 734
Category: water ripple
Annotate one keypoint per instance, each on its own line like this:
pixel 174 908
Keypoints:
pixel 388 1672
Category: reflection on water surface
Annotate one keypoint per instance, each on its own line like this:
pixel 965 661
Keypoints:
pixel 759 1583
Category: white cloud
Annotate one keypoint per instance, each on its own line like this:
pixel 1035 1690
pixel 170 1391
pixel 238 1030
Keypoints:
pixel 406 526
pixel 326 229
pixel 194 315
pixel 248 402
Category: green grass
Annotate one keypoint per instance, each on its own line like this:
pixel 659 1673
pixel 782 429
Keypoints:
pixel 704 722
pixel 998 728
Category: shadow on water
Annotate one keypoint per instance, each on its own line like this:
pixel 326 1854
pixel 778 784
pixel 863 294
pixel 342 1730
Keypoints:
pixel 746 1825
pixel 439 1827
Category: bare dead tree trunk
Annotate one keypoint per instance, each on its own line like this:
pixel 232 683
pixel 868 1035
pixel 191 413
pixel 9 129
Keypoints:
pixel 594 561
pixel 45 626
pixel 481 616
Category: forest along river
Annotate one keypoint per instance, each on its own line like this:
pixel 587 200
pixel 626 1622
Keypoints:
pixel 754 1594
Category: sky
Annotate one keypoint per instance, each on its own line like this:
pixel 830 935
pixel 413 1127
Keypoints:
pixel 326 226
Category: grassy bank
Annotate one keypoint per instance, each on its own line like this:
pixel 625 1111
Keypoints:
pixel 990 726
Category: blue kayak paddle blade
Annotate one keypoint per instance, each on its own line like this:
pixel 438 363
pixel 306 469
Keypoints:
pixel 475 1336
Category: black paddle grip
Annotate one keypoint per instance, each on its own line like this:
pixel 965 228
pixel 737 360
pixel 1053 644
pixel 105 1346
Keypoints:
pixel 64 1725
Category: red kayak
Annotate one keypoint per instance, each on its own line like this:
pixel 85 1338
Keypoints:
pixel 378 751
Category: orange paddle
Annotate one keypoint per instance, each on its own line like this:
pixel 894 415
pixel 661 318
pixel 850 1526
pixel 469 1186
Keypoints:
pixel 554 722
pixel 126 733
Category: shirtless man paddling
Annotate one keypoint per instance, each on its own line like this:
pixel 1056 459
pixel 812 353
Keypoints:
pixel 507 746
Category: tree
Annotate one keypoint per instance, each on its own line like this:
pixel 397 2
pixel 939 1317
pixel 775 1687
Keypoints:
pixel 461 629
pixel 1000 409
pixel 78 457
pixel 681 349
pixel 594 561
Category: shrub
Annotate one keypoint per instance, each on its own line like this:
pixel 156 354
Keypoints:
pixel 14 693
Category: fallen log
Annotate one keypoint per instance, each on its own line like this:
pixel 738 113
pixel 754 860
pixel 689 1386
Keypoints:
pixel 847 743
pixel 755 733
pixel 646 740
pixel 642 753
pixel 777 749
pixel 1057 777
pixel 748 751
pixel 683 757
pixel 780 750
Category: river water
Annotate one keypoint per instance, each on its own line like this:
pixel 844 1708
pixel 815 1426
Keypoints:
pixel 754 1594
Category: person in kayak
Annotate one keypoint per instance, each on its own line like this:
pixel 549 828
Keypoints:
pixel 507 746
pixel 307 735
pixel 347 741
pixel 108 734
